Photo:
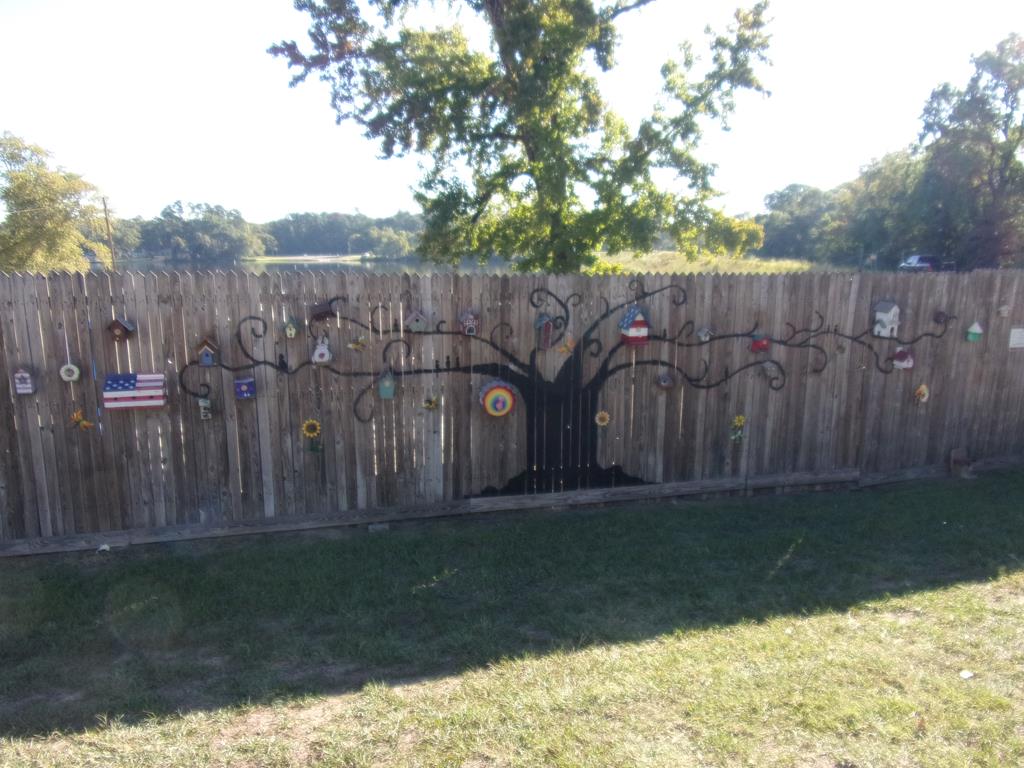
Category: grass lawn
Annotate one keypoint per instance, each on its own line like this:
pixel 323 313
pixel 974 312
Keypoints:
pixel 856 629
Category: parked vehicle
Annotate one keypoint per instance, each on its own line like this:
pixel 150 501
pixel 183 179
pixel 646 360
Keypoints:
pixel 918 263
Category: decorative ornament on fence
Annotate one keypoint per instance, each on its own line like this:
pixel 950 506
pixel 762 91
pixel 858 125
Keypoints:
pixel 322 351
pixel 291 329
pixel 311 431
pixel 205 409
pixel 121 329
pixel 24 383
pixel 665 381
pixel 1003 310
pixel 431 403
pixel 760 343
pixel 602 419
pixel 70 373
pixel 568 391
pixel 922 393
pixel 903 358
pixel 122 391
pixel 887 319
pixel 78 420
pixel 417 321
pixel 386 385
pixel 357 345
pixel 322 311
pixel 498 398
pixel 635 326
pixel 975 332
pixel 207 352
pixel 544 331
pixel 705 334
pixel 469 322
pixel 738 428
pixel 245 388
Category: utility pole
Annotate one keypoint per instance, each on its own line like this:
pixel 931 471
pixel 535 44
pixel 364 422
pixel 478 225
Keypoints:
pixel 110 237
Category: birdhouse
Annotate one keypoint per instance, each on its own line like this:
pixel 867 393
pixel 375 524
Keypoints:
pixel 121 329
pixel 321 311
pixel 974 333
pixel 665 380
pixel 760 343
pixel 245 389
pixel 704 334
pixel 207 352
pixel 24 384
pixel 469 322
pixel 417 322
pixel 498 398
pixel 635 326
pixel 1003 310
pixel 544 327
pixel 322 352
pixel 205 410
pixel 386 385
pixel 70 373
pixel 903 358
pixel 291 329
pixel 887 319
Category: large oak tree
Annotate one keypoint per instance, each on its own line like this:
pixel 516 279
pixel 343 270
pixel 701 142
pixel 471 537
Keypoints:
pixel 527 159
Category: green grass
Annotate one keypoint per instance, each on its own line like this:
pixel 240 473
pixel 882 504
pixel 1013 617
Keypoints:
pixel 674 262
pixel 825 631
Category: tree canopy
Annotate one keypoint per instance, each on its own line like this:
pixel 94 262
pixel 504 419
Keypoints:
pixel 957 194
pixel 528 162
pixel 51 214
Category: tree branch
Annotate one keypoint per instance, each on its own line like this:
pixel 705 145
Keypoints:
pixel 621 8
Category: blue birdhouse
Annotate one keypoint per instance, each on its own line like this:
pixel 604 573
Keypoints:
pixel 207 351
pixel 245 389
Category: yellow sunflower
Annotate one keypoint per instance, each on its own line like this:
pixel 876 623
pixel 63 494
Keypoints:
pixel 739 422
pixel 311 429
pixel 603 418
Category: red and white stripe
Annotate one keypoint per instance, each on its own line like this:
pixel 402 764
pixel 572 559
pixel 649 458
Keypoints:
pixel 149 392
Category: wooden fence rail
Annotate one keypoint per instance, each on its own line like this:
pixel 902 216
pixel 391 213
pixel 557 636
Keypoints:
pixel 794 355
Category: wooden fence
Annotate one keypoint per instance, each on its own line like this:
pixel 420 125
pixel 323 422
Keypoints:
pixel 819 392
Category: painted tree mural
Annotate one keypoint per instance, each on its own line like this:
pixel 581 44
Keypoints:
pixel 563 411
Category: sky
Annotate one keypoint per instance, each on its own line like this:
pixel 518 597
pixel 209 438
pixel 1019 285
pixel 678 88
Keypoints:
pixel 157 102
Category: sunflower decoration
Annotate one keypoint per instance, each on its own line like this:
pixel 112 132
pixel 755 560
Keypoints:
pixel 603 418
pixel 431 403
pixel 79 420
pixel 311 429
pixel 739 424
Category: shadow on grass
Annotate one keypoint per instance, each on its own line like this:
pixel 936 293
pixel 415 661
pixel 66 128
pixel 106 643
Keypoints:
pixel 201 626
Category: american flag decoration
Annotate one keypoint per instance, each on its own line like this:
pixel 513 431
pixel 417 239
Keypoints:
pixel 134 390
pixel 635 326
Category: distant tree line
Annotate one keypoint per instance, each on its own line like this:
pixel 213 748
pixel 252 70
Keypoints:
pixel 957 194
pixel 211 235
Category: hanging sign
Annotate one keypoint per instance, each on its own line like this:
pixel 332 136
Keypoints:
pixel 134 390
pixel 23 382
pixel 245 389
pixel 1017 338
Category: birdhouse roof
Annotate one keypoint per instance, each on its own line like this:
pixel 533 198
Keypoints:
pixel 206 343
pixel 975 328
pixel 543 319
pixel 886 306
pixel 633 313
pixel 121 322
pixel 469 316
pixel 416 314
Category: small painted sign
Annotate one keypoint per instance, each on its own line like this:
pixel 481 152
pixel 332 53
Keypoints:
pixel 1017 338
pixel 205 410
pixel 245 389
pixel 23 383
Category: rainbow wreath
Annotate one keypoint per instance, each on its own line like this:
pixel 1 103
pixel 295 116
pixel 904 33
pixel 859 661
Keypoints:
pixel 498 398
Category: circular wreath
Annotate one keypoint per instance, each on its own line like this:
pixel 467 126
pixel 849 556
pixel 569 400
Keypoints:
pixel 603 418
pixel 311 429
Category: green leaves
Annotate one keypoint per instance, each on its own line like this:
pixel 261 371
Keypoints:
pixel 527 160
pixel 50 213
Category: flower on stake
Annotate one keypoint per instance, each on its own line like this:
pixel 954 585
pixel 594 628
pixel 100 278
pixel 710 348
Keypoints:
pixel 311 431
pixel 739 425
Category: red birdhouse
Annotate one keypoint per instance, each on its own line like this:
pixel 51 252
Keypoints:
pixel 544 326
pixel 759 343
pixel 635 326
